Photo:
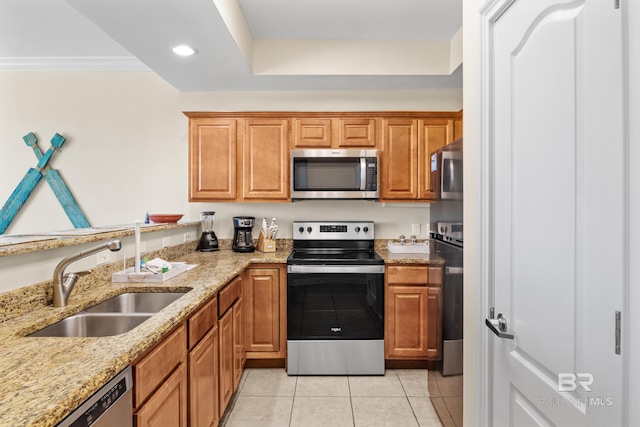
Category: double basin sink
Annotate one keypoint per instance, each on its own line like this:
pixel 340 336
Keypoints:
pixel 114 316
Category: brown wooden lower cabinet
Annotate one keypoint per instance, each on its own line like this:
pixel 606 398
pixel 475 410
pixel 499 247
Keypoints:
pixel 406 322
pixel 239 353
pixel 413 313
pixel 168 405
pixel 226 359
pixel 265 304
pixel 160 379
pixel 191 375
pixel 204 405
pixel 232 349
pixel 434 325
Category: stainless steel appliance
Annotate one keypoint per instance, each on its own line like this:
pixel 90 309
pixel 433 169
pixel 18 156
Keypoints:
pixel 110 406
pixel 243 234
pixel 335 300
pixel 334 174
pixel 208 240
pixel 447 242
pixel 446 171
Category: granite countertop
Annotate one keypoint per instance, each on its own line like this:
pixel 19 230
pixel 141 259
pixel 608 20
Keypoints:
pixel 26 243
pixel 396 258
pixel 43 379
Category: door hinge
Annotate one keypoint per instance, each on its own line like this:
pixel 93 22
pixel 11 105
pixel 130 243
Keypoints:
pixel 618 329
pixel 616 4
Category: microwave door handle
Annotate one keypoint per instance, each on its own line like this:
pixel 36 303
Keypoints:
pixel 363 173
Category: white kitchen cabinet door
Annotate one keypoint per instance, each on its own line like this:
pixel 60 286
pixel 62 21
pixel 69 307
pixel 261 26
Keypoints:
pixel 553 227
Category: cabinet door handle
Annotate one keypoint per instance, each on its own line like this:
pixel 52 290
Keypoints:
pixel 499 326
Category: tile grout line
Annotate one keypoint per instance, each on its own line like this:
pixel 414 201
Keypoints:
pixel 406 396
pixel 353 412
pixel 293 400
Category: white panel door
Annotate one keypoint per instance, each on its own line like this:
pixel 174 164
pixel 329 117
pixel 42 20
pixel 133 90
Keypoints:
pixel 554 212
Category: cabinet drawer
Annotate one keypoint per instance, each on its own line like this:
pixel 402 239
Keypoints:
pixel 407 275
pixel 201 322
pixel 157 365
pixel 229 295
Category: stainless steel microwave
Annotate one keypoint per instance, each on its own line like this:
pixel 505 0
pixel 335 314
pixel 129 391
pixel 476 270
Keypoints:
pixel 446 171
pixel 334 174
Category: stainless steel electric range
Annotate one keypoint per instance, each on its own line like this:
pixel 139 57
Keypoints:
pixel 335 300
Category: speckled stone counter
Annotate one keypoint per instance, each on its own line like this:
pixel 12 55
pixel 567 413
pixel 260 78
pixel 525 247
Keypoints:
pixel 43 379
pixel 52 240
pixel 408 258
pixel 394 258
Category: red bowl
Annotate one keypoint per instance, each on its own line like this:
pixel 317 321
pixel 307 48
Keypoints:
pixel 157 218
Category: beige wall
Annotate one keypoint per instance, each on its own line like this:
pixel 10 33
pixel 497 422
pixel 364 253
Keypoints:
pixel 471 76
pixel 126 148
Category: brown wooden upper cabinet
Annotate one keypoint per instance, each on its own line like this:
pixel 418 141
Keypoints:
pixel 245 156
pixel 265 159
pixel 407 145
pixel 212 159
pixel 344 132
pixel 238 159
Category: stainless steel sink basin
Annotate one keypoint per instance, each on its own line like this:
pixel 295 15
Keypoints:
pixel 114 316
pixel 136 302
pixel 92 325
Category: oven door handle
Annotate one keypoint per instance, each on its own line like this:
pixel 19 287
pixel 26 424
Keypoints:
pixel 335 269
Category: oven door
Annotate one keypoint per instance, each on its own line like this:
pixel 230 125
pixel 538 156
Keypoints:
pixel 335 320
pixel 335 302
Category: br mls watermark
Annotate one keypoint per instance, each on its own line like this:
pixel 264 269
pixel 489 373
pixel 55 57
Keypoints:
pixel 568 381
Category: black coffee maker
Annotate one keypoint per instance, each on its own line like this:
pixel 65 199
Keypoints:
pixel 242 234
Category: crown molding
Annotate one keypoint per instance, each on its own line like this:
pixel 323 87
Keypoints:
pixel 72 63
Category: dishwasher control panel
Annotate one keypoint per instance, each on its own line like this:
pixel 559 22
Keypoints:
pixel 101 407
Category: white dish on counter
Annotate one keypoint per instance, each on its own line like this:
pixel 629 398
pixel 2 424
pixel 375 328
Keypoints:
pixel 409 248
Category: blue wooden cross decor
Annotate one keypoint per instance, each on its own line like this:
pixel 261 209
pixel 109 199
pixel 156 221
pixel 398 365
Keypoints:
pixel 32 178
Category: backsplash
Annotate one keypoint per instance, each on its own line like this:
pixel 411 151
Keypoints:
pixel 17 302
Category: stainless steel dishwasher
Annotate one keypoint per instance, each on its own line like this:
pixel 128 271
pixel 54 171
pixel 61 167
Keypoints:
pixel 110 406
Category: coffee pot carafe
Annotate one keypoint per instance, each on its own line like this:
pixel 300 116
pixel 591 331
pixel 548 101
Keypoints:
pixel 242 234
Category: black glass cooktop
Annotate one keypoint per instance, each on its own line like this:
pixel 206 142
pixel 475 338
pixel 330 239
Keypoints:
pixel 334 257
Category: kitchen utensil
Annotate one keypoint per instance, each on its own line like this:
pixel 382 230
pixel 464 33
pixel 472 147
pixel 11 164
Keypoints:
pixel 208 240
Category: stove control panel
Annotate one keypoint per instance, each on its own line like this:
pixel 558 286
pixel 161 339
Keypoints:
pixel 333 230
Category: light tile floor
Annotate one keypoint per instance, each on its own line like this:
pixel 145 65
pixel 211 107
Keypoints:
pixel 446 397
pixel 271 398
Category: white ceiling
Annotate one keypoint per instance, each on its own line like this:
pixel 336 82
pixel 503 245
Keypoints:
pixel 243 44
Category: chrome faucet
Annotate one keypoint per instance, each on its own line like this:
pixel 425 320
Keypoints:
pixel 63 283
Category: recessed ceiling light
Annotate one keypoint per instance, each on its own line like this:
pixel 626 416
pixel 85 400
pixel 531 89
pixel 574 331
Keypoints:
pixel 184 50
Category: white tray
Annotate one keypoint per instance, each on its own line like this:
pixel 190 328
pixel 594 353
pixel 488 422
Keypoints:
pixel 129 275
pixel 408 248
